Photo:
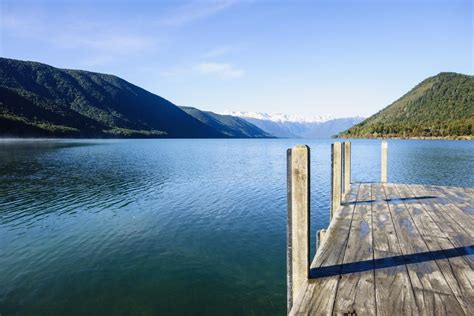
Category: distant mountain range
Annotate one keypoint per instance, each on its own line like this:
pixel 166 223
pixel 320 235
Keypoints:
pixel 228 125
pixel 281 118
pixel 37 100
pixel 287 126
pixel 441 106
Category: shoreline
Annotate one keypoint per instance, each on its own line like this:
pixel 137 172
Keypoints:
pixel 465 137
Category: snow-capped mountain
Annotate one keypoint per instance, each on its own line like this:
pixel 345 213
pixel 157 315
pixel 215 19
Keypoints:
pixel 280 117
pixel 293 126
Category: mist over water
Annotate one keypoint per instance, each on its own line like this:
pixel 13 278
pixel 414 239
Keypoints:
pixel 110 227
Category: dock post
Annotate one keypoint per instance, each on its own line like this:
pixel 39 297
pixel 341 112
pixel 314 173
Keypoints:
pixel 347 167
pixel 384 162
pixel 336 177
pixel 298 230
pixel 320 237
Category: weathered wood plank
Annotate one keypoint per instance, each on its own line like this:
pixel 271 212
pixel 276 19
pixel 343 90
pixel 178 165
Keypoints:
pixel 333 247
pixel 416 258
pixel 437 304
pixel 318 296
pixel 459 231
pixel 393 290
pixel 320 237
pixel 439 214
pixel 454 209
pixel 356 289
pixel 459 235
pixel 423 222
pixel 439 203
pixel 298 239
pixel 336 177
pixel 455 270
pixel 347 167
pixel 424 271
pixel 460 205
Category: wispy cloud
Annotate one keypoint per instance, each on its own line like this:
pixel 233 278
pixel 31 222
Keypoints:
pixel 222 70
pixel 218 70
pixel 219 51
pixel 194 11
pixel 105 48
pixel 97 43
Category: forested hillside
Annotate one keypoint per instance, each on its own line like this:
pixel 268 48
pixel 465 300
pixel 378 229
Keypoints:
pixel 231 126
pixel 37 100
pixel 440 106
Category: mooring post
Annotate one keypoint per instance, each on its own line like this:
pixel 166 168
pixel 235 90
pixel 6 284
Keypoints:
pixel 336 177
pixel 347 167
pixel 384 162
pixel 298 231
pixel 320 237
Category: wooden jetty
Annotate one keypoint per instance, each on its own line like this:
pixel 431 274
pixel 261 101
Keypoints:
pixel 390 249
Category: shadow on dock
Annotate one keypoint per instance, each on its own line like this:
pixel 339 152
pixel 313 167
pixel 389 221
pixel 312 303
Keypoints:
pixel 388 262
pixel 393 201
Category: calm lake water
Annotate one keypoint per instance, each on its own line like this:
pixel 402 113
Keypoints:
pixel 176 227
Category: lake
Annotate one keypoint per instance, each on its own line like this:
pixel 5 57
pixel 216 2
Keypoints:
pixel 175 227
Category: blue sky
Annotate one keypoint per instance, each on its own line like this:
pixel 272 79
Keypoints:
pixel 341 58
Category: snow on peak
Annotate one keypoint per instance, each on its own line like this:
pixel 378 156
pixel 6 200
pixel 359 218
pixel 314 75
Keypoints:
pixel 280 117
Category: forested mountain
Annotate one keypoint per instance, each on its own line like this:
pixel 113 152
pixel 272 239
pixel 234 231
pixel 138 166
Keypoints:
pixel 231 126
pixel 37 100
pixel 440 106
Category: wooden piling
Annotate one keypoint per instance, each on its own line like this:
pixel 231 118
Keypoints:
pixel 347 167
pixel 384 162
pixel 320 237
pixel 336 177
pixel 353 272
pixel 298 230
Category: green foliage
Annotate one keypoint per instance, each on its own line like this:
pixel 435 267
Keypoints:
pixel 226 124
pixel 440 106
pixel 123 132
pixel 40 100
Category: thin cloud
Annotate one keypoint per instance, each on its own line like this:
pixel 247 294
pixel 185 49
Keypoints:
pixel 98 47
pixel 194 11
pixel 113 43
pixel 222 70
pixel 219 51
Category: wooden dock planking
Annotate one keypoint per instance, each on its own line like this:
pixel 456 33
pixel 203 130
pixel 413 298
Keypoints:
pixel 441 214
pixel 453 270
pixel 427 280
pixel 393 290
pixel 355 291
pixel 330 254
pixel 458 270
pixel 455 223
pixel 395 249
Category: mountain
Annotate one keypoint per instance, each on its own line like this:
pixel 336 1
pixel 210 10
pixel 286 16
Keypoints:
pixel 226 124
pixel 441 106
pixel 282 118
pixel 37 100
pixel 286 126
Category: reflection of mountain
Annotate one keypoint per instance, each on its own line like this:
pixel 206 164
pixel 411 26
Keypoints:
pixel 301 128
